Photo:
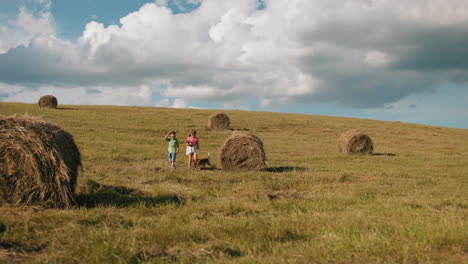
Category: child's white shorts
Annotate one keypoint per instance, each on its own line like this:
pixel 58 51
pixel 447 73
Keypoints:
pixel 191 150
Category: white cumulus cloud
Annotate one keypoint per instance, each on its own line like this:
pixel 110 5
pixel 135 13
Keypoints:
pixel 361 53
pixel 179 103
pixel 24 28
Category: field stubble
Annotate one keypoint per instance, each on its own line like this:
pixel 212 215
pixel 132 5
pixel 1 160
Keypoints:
pixel 405 204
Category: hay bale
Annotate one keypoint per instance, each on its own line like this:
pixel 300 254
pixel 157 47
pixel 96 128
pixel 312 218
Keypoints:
pixel 219 121
pixel 48 101
pixel 39 163
pixel 355 142
pixel 242 151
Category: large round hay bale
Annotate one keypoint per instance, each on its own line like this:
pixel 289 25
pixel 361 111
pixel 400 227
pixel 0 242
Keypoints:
pixel 242 151
pixel 219 121
pixel 355 142
pixel 39 163
pixel 48 101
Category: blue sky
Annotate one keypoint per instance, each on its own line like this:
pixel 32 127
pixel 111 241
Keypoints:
pixel 71 17
pixel 385 60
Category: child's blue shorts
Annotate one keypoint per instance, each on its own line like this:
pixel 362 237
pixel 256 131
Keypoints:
pixel 172 157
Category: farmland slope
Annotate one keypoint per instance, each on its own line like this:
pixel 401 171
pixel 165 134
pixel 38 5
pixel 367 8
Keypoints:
pixel 406 204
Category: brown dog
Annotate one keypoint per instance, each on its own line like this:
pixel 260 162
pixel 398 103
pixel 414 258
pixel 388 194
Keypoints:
pixel 203 162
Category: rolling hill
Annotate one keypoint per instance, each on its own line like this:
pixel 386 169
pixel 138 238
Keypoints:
pixel 407 203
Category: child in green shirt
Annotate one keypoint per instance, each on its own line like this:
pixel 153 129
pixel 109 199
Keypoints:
pixel 173 147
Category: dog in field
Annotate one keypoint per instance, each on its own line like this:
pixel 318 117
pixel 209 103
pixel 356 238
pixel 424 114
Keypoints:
pixel 203 162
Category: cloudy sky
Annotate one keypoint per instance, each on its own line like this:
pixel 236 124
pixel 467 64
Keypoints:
pixel 378 59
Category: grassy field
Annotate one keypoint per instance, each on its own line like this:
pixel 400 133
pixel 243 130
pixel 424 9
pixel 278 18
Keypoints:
pixel 407 204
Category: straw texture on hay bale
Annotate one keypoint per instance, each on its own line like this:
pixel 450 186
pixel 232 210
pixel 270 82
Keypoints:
pixel 242 151
pixel 39 163
pixel 48 101
pixel 219 121
pixel 355 142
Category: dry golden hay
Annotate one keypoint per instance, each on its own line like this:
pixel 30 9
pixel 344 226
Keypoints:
pixel 39 163
pixel 48 101
pixel 242 151
pixel 355 142
pixel 219 121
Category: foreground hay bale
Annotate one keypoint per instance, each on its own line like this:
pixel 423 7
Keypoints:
pixel 219 121
pixel 242 151
pixel 39 163
pixel 355 142
pixel 48 101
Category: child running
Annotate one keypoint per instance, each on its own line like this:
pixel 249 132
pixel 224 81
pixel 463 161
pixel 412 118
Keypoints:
pixel 192 148
pixel 173 147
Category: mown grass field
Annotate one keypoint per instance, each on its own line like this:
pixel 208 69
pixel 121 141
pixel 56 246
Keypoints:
pixel 407 204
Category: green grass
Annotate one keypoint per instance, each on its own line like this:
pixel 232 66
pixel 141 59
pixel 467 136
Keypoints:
pixel 315 205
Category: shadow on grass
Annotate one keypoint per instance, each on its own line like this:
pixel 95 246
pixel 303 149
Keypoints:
pixel 384 154
pixel 66 108
pixel 284 169
pixel 239 129
pixel 211 168
pixel 120 196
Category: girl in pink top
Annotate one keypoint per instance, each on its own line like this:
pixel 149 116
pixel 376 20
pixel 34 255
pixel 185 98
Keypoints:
pixel 192 148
